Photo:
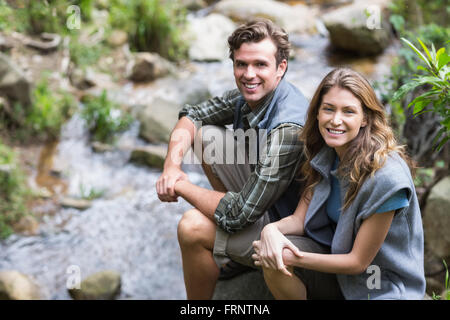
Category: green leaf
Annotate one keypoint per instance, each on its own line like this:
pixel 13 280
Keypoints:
pixel 440 51
pixel 404 89
pixel 441 144
pixel 420 67
pixel 421 56
pixel 418 106
pixel 443 59
pixel 425 49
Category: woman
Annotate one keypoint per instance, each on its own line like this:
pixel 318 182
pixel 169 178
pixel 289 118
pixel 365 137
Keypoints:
pixel 359 204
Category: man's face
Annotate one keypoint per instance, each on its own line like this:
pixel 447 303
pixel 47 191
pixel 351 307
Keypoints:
pixel 255 70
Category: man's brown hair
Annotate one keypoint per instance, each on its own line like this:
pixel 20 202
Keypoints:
pixel 256 31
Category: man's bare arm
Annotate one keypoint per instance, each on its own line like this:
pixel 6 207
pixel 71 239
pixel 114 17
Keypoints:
pixel 181 139
pixel 205 200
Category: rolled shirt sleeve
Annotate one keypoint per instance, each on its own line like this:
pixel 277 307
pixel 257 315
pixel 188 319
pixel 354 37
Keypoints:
pixel 279 161
pixel 215 111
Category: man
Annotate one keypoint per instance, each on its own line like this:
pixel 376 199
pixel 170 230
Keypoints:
pixel 248 195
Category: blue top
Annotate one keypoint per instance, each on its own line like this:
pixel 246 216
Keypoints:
pixel 396 201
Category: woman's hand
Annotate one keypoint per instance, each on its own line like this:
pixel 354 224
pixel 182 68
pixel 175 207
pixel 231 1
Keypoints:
pixel 269 250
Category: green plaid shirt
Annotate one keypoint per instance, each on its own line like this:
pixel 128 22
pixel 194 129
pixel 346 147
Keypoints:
pixel 266 183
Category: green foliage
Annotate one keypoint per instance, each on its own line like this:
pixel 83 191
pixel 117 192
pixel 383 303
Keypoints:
pixel 152 25
pixel 446 287
pixel 104 118
pixel 83 55
pixel 13 191
pixel 437 76
pixel 10 19
pixel 49 110
pixel 406 63
pixel 90 193
pixel 35 17
pixel 416 13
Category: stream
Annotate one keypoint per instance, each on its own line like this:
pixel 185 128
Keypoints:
pixel 128 229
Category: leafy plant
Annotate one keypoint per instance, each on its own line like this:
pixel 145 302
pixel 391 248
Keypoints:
pixel 437 75
pixel 83 55
pixel 104 118
pixel 49 110
pixel 152 25
pixel 13 191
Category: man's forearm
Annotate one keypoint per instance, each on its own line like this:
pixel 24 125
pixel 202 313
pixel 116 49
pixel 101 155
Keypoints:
pixel 181 139
pixel 204 200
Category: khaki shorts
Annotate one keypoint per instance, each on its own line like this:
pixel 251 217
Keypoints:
pixel 238 246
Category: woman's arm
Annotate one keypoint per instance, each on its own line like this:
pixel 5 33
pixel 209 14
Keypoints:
pixel 294 224
pixel 369 239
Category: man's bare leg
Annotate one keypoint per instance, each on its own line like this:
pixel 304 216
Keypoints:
pixel 282 286
pixel 196 235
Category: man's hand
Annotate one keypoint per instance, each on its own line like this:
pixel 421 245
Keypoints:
pixel 165 185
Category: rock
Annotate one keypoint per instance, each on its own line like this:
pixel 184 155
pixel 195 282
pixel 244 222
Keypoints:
pixel 194 5
pixel 79 79
pixel 195 93
pixel 158 120
pixel 27 225
pixel 209 37
pixel 13 83
pixel 298 18
pixel 434 286
pixel 81 204
pixel 17 286
pixel 49 42
pixel 5 45
pixel 356 28
pixel 101 147
pixel 152 156
pixel 149 66
pixel 117 38
pixel 247 286
pixel 436 221
pixel 103 285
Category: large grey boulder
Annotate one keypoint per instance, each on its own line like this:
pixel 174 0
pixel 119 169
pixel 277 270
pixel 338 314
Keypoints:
pixel 247 286
pixel 436 221
pixel 148 66
pixel 298 18
pixel 360 27
pixel 208 37
pixel 151 156
pixel 18 286
pixel 13 83
pixel 157 120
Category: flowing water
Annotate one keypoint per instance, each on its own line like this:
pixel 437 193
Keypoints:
pixel 128 229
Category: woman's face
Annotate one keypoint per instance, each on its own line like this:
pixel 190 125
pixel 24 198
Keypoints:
pixel 340 118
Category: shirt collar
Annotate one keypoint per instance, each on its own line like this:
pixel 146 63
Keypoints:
pixel 254 117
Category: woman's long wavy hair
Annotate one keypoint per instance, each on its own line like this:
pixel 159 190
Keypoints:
pixel 367 152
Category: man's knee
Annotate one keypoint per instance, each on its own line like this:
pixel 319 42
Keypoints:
pixel 193 228
pixel 272 275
